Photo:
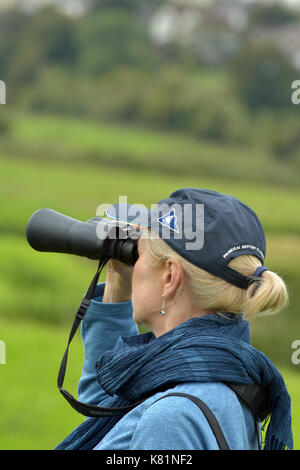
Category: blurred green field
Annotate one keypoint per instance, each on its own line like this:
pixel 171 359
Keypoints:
pixel 76 141
pixel 77 190
pixel 34 415
pixel 73 167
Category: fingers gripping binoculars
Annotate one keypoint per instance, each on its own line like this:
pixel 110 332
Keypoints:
pixel 51 231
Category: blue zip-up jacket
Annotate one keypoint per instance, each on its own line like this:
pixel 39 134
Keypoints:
pixel 174 423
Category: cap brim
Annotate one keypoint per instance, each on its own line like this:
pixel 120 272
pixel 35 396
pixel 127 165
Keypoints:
pixel 130 213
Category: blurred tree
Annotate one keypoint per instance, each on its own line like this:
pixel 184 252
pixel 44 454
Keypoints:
pixel 112 39
pixel 283 138
pixel 47 38
pixel 12 24
pixel 119 95
pixel 176 101
pixel 5 124
pixel 262 77
pixel 271 15
pixel 58 91
pixel 131 5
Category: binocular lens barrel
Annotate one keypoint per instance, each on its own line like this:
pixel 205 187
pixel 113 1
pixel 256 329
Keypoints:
pixel 51 231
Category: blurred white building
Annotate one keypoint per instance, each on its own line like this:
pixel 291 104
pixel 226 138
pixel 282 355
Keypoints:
pixel 70 7
pixel 209 28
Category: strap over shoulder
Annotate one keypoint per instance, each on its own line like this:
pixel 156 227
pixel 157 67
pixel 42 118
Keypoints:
pixel 255 396
pixel 215 427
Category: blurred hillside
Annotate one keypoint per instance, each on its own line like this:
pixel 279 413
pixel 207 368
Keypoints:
pixel 221 72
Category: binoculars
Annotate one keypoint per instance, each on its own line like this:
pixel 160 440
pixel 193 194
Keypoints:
pixel 51 231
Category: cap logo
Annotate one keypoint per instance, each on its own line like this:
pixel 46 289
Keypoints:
pixel 169 220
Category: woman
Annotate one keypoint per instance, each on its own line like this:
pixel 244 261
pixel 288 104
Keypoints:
pixel 196 301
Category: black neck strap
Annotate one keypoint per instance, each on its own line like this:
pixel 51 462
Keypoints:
pixel 84 408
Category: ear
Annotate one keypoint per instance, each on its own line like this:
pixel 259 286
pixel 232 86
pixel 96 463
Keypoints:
pixel 172 277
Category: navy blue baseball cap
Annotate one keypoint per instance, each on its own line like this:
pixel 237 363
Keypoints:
pixel 205 227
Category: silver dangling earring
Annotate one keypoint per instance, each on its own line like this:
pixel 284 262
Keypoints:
pixel 162 312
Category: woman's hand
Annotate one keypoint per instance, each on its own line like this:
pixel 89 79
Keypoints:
pixel 118 282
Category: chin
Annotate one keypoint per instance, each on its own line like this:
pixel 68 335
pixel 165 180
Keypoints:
pixel 138 319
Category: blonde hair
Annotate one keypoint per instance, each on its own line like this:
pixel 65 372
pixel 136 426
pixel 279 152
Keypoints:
pixel 266 295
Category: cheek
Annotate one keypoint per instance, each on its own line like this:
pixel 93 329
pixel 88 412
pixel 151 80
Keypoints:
pixel 139 282
pixel 145 290
pixel 136 276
